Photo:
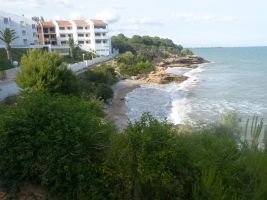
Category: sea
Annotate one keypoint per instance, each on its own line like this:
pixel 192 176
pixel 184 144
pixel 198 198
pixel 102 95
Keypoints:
pixel 234 81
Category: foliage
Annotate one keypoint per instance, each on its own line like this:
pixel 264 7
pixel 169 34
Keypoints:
pixel 58 142
pixel 131 64
pixel 122 43
pixel 150 47
pixel 44 71
pixel 78 55
pixel 149 162
pixel 103 73
pixel 8 36
pixel 96 82
pixel 187 52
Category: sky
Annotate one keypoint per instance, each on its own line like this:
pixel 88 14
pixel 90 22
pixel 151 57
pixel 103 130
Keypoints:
pixel 192 23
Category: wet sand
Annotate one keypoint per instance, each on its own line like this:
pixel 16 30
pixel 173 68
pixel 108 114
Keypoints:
pixel 116 110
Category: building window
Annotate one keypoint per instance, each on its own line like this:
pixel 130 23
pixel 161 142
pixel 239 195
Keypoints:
pixel 97 34
pixel 70 35
pixel 25 41
pixel 80 35
pixel 34 34
pixel 80 28
pixel 61 28
pixel 23 32
pixel 87 35
pixel 23 24
pixel 105 41
pixel 63 42
pixel 62 35
pixel 46 36
pixel 6 20
pixel 33 26
pixel 87 27
pixel 69 28
pixel 98 41
pixel 45 30
pixel 88 41
pixel 104 34
pixel 80 42
pixel 100 27
pixel 52 30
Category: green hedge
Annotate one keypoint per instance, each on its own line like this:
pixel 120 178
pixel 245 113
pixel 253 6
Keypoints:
pixel 17 54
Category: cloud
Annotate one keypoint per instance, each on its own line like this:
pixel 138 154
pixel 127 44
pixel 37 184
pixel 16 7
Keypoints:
pixel 76 15
pixel 24 3
pixel 146 21
pixel 119 7
pixel 36 3
pixel 200 18
pixel 109 16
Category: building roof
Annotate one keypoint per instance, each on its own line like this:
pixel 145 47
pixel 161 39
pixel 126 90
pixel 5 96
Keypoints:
pixel 98 22
pixel 80 22
pixel 63 23
pixel 48 24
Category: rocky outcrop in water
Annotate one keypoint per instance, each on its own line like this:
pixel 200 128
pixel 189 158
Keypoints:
pixel 160 76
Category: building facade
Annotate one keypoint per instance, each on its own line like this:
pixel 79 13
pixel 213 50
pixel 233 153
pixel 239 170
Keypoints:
pixel 90 35
pixel 26 29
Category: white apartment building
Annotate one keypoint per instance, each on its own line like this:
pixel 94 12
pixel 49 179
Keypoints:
pixel 26 29
pixel 90 35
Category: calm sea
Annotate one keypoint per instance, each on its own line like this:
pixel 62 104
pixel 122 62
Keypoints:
pixel 234 81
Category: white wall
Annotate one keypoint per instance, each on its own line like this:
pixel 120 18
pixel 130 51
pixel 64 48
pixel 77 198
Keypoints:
pixel 88 63
pixel 14 23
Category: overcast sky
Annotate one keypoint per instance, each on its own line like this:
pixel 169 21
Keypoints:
pixel 192 23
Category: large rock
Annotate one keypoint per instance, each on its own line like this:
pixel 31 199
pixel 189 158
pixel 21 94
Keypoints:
pixel 177 61
pixel 161 77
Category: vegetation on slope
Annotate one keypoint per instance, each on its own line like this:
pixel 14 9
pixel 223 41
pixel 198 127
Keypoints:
pixel 139 53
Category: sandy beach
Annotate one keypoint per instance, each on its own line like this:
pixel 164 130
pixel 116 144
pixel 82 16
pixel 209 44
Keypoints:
pixel 116 110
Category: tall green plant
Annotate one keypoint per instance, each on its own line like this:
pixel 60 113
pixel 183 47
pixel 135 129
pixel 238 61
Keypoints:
pixel 45 71
pixel 8 36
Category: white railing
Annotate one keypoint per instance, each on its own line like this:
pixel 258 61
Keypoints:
pixel 76 67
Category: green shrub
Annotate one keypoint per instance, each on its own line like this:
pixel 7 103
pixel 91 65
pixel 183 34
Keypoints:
pixel 187 52
pixel 130 64
pixel 44 71
pixel 58 142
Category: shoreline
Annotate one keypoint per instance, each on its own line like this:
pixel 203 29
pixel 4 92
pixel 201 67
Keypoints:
pixel 116 111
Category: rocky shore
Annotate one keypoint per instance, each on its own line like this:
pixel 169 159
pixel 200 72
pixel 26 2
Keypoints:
pixel 116 110
pixel 160 76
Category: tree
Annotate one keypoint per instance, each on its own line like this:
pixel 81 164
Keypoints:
pixel 44 71
pixel 8 36
pixel 72 46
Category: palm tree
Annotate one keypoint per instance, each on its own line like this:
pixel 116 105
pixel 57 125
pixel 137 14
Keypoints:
pixel 72 46
pixel 8 36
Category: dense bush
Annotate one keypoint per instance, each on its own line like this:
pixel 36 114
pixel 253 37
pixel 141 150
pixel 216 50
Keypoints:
pixel 96 82
pixel 44 71
pixel 149 161
pixel 150 47
pixel 103 73
pixel 130 64
pixel 122 43
pixel 16 54
pixel 186 52
pixel 57 142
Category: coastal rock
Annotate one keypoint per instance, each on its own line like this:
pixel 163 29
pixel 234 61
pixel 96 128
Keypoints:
pixel 177 61
pixel 161 77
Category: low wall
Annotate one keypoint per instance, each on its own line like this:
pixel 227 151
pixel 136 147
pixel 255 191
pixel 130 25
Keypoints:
pixel 9 74
pixel 76 67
